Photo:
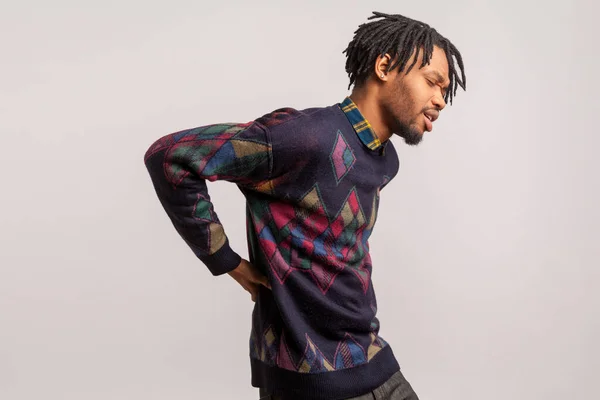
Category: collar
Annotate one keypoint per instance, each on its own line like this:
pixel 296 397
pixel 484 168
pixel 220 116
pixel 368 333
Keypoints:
pixel 363 128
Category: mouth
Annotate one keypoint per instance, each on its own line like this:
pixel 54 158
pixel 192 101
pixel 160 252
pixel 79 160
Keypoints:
pixel 428 123
pixel 430 116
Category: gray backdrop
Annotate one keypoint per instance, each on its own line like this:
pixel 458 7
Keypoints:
pixel 485 253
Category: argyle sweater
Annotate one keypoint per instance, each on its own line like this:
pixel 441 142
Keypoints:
pixel 311 179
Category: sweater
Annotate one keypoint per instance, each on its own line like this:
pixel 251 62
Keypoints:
pixel 311 180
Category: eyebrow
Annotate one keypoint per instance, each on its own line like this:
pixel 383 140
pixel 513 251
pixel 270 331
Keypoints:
pixel 438 77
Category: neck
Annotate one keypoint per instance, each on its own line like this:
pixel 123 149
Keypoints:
pixel 367 104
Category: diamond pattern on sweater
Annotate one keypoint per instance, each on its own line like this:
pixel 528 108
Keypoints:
pixel 304 238
pixel 342 157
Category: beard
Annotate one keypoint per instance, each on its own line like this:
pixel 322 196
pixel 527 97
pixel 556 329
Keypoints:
pixel 411 135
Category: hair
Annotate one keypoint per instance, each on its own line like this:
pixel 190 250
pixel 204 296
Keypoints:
pixel 399 36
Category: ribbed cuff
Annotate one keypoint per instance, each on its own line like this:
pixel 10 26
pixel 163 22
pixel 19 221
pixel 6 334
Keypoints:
pixel 223 261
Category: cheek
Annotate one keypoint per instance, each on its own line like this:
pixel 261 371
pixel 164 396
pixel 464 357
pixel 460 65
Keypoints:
pixel 415 102
pixel 407 100
pixel 423 94
pixel 415 95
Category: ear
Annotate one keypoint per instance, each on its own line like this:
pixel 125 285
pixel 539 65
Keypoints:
pixel 382 65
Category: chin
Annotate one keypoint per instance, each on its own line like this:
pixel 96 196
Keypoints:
pixel 412 136
pixel 412 142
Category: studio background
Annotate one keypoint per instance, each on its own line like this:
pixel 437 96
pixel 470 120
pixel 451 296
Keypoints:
pixel 485 253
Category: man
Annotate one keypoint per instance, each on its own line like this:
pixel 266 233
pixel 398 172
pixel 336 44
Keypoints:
pixel 312 180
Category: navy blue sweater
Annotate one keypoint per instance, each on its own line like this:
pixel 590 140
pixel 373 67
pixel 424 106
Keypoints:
pixel 311 180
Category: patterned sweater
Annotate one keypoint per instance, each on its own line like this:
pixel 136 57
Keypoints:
pixel 311 179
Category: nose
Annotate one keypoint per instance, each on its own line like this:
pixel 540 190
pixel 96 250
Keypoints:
pixel 438 102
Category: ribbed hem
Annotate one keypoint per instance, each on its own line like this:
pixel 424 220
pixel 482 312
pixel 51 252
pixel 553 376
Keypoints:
pixel 333 385
pixel 223 261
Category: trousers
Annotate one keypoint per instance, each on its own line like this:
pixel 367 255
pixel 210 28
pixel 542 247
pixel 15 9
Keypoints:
pixel 395 388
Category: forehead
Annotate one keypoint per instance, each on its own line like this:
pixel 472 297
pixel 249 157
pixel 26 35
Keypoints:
pixel 438 64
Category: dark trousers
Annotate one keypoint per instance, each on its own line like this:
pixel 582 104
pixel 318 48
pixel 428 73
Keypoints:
pixel 395 388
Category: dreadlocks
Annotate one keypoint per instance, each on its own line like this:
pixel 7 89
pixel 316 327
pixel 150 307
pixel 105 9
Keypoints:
pixel 399 36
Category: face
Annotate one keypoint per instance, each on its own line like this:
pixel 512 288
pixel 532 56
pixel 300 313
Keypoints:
pixel 411 102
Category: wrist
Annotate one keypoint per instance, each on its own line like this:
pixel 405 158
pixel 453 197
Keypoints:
pixel 236 270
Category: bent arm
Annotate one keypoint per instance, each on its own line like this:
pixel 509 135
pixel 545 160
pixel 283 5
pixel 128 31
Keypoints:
pixel 179 165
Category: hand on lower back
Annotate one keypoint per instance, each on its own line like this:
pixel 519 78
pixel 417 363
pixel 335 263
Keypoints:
pixel 250 278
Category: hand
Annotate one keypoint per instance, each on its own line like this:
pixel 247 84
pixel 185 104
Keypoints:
pixel 250 278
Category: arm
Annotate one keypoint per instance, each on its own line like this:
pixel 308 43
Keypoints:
pixel 179 165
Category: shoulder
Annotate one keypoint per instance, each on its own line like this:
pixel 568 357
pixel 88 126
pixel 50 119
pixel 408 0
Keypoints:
pixel 289 118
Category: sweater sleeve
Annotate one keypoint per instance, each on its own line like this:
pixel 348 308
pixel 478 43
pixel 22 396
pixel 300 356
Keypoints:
pixel 179 165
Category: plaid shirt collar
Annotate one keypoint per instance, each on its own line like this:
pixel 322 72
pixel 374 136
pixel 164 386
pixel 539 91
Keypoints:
pixel 363 129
